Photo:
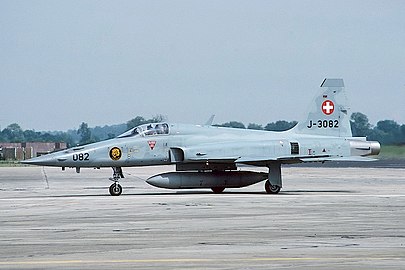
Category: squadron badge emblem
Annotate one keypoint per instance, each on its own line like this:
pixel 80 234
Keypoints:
pixel 115 153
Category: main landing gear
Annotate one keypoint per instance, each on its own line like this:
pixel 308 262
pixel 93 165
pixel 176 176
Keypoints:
pixel 270 189
pixel 116 189
pixel 274 184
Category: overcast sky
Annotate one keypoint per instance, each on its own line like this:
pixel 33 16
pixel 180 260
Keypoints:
pixel 105 62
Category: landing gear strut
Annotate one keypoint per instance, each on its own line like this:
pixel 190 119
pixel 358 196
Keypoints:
pixel 116 189
pixel 274 184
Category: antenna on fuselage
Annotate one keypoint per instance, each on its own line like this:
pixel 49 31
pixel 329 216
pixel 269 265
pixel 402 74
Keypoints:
pixel 210 120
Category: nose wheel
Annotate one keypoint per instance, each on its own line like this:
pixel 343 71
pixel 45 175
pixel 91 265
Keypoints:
pixel 116 189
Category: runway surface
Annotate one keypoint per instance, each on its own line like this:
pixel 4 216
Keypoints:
pixel 324 218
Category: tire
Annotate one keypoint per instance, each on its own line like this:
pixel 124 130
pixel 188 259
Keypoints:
pixel 271 189
pixel 115 189
pixel 217 190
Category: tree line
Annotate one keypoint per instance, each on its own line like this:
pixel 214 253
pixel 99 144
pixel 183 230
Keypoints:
pixel 387 132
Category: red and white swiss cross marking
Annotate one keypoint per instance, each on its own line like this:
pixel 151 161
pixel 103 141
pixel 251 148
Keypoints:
pixel 328 107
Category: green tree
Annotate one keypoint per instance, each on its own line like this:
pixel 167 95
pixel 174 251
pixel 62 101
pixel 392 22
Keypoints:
pixel 85 133
pixel 13 133
pixel 359 124
pixel 255 126
pixel 388 126
pixel 280 125
pixel 390 132
pixel 137 121
pixel 32 136
pixel 157 118
pixel 232 124
pixel 402 141
pixel 140 120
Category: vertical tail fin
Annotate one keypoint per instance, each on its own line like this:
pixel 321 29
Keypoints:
pixel 328 113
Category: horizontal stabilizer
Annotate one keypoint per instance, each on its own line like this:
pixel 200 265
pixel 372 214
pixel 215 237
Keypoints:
pixel 333 83
pixel 299 159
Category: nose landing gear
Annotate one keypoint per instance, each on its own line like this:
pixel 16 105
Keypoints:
pixel 116 189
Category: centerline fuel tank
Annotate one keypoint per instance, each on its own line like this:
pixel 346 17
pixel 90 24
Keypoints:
pixel 225 179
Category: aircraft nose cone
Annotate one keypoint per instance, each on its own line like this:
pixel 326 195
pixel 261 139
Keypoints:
pixel 45 160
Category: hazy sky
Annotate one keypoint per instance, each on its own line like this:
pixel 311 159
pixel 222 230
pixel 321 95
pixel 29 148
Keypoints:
pixel 105 62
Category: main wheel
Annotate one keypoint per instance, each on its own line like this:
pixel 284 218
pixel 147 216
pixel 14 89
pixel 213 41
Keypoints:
pixel 270 189
pixel 217 190
pixel 115 189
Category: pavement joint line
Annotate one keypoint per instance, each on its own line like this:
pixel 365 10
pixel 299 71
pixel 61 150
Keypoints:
pixel 281 196
pixel 195 260
pixel 45 176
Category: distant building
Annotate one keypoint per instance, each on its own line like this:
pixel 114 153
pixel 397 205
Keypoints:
pixel 22 151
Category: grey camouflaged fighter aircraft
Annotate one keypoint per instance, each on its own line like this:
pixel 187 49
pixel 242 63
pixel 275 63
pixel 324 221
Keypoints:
pixel 208 157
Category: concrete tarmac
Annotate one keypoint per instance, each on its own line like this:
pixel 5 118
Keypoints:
pixel 324 218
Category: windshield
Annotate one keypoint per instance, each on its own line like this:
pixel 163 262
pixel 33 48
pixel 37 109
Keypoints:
pixel 147 130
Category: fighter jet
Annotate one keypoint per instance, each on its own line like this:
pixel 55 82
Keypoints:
pixel 216 158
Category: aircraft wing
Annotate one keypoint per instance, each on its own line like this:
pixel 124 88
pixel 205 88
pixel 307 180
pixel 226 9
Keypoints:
pixel 301 159
pixel 214 160
pixel 235 152
pixel 263 160
pixel 216 154
pixel 352 158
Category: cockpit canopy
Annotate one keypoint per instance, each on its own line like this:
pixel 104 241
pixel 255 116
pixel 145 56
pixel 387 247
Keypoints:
pixel 147 130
